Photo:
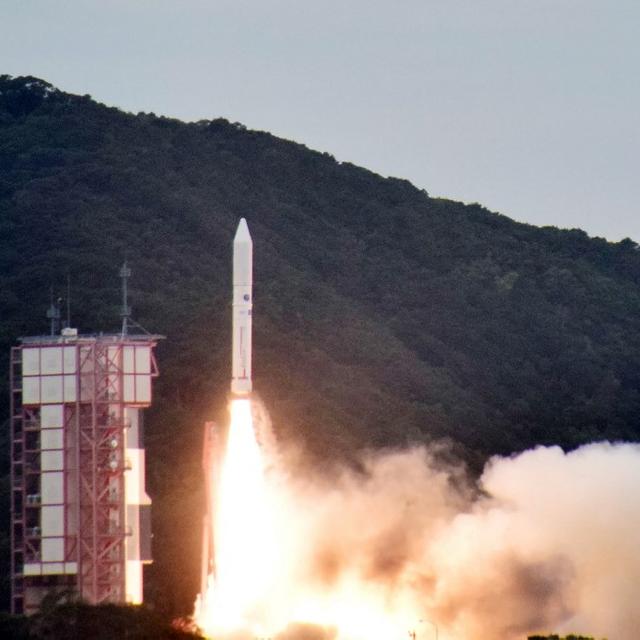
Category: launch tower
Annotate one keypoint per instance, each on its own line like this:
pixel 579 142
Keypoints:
pixel 80 516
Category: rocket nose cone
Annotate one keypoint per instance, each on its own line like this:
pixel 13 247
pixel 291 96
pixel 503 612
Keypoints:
pixel 242 232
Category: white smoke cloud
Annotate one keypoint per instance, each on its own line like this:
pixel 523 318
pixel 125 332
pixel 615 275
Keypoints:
pixel 551 545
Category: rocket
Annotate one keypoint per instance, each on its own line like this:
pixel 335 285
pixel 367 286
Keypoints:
pixel 242 303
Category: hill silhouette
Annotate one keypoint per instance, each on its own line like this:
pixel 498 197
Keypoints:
pixel 383 317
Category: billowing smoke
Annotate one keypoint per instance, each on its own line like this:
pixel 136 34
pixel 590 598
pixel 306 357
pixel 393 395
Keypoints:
pixel 552 545
pixel 544 541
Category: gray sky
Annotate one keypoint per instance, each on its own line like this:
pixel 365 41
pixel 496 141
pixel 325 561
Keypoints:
pixel 530 107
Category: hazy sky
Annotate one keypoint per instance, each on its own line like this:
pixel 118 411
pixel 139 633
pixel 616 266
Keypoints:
pixel 530 107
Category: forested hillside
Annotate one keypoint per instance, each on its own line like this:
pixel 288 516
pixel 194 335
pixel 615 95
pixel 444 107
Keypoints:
pixel 382 316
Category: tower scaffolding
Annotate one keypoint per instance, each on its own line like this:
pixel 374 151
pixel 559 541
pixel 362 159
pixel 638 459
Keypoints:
pixel 80 515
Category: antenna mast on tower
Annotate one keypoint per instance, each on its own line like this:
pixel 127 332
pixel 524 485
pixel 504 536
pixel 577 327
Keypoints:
pixel 68 322
pixel 53 314
pixel 125 314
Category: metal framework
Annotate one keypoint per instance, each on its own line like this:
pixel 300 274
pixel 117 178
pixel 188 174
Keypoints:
pixel 18 503
pixel 94 453
pixel 101 424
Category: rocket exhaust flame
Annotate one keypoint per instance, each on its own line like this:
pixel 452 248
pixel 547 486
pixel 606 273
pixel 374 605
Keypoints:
pixel 241 526
pixel 257 529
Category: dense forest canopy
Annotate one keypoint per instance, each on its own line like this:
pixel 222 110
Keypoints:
pixel 383 317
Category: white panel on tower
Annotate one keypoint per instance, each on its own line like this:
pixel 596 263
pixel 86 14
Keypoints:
pixel 50 360
pixel 52 488
pixel 128 359
pixel 52 568
pixel 129 389
pixel 134 582
pixel 52 416
pixel 69 359
pixel 31 390
pixel 31 361
pixel 143 389
pixel 52 521
pixel 70 388
pixel 51 391
pixel 52 439
pixel 52 460
pixel 132 434
pixel 52 549
pixel 143 360
pixel 32 569
pixel 134 485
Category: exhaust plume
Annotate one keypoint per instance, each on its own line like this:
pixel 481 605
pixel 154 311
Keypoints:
pixel 544 541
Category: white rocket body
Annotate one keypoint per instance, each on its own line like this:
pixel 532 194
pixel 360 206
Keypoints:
pixel 242 303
